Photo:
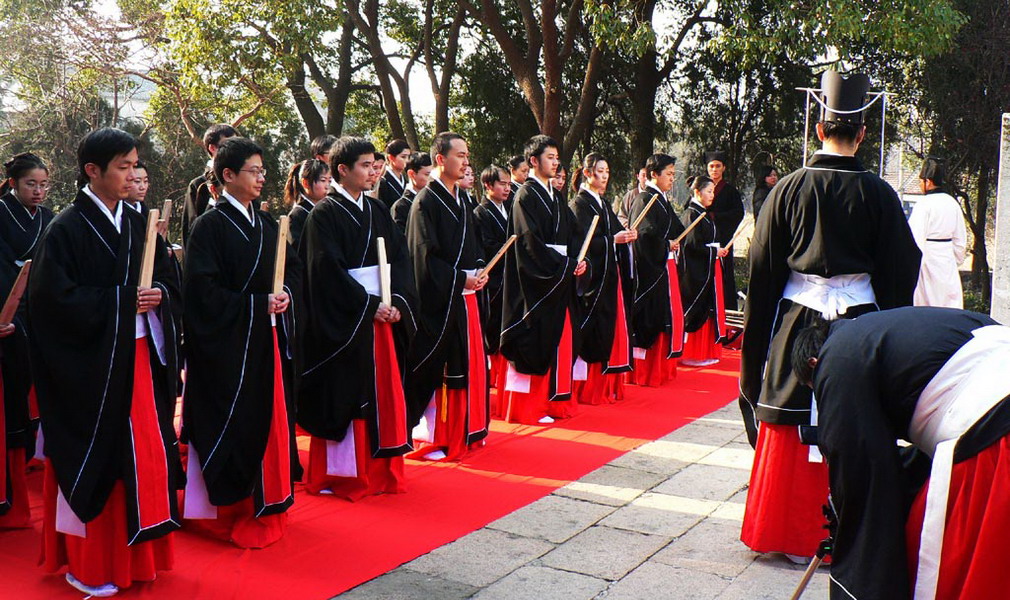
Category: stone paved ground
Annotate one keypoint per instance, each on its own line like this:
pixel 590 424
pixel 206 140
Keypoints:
pixel 661 522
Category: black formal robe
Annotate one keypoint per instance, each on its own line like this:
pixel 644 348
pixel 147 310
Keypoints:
pixel 297 216
pixel 20 232
pixel 401 210
pixel 82 308
pixel 197 199
pixel 869 378
pixel 830 218
pixel 758 200
pixel 338 382
pixel 651 250
pixel 696 268
pixel 539 284
pixel 595 311
pixel 228 404
pixel 391 188
pixel 443 243
pixel 492 228
pixel 727 213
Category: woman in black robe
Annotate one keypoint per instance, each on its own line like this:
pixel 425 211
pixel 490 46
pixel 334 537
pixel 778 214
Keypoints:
pixel 699 278
pixel 22 221
pixel 308 183
pixel 767 177
pixel 600 316
pixel 726 213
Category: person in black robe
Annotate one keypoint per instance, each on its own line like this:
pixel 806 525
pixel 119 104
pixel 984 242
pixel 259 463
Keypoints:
pixel 238 409
pixel 308 184
pixel 519 172
pixel 727 214
pixel 351 391
pixel 699 278
pixel 605 349
pixel 198 194
pixel 491 221
pixel 418 173
pixel 320 147
pixel 540 272
pixel 767 177
pixel 657 317
pixel 23 218
pixel 466 189
pixel 832 241
pixel 103 362
pixel 394 178
pixel 447 378
pixel 933 377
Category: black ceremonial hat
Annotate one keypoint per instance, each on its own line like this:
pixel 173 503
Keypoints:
pixel 845 94
pixel 718 155
pixel 934 169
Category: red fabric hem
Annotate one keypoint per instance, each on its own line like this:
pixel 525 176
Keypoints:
pixel 375 475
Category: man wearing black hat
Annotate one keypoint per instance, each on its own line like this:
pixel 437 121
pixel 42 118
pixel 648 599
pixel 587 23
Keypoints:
pixel 831 242
pixel 727 213
pixel 938 228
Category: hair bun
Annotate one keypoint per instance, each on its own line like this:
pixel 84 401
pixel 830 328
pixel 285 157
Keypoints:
pixel 690 180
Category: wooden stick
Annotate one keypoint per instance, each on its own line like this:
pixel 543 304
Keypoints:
pixel 150 244
pixel 498 256
pixel 385 284
pixel 589 238
pixel 166 211
pixel 807 575
pixel 739 230
pixel 689 228
pixel 14 298
pixel 641 215
pixel 282 255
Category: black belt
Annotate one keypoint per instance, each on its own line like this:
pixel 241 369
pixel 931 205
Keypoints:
pixel 939 240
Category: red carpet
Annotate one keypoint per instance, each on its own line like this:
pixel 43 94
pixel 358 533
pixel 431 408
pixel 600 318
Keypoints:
pixel 332 545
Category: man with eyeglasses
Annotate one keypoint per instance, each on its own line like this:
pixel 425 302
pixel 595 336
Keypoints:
pixel 237 406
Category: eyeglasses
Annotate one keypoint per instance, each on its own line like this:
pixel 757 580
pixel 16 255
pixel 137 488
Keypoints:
pixel 256 172
pixel 37 186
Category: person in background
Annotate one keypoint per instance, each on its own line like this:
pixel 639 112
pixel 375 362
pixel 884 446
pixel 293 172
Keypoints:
pixel 394 177
pixel 767 177
pixel 198 194
pixel 320 147
pixel 519 170
pixel 465 186
pixel 938 228
pixel 624 208
pixel 727 213
pixel 307 184
pixel 699 280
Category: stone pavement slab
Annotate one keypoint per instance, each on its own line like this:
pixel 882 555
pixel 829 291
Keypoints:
pixel 480 558
pixel 713 546
pixel 655 580
pixel 605 552
pixel 552 518
pixel 705 482
pixel 404 584
pixel 610 485
pixel 660 514
pixel 543 583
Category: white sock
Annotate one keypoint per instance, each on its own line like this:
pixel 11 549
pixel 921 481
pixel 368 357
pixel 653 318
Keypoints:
pixel 436 455
pixel 546 420
pixel 101 591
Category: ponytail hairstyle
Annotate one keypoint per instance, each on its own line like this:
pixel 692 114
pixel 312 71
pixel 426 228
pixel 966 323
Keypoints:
pixel 310 170
pixel 19 166
pixel 588 164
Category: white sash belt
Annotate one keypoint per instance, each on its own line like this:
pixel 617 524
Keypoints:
pixel 831 296
pixel 368 277
pixel 559 248
pixel 469 273
pixel 968 385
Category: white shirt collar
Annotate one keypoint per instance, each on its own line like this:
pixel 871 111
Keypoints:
pixel 134 205
pixel 650 186
pixel 547 186
pixel 359 201
pixel 115 218
pixel 500 207
pixel 454 196
pixel 31 215
pixel 595 196
pixel 245 211
pixel 307 199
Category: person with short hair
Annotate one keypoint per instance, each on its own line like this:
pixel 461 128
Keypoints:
pixel 378 168
pixel 727 214
pixel 465 185
pixel 539 291
pixel 934 377
pixel 351 395
pixel 418 174
pixel 700 270
pixel 519 171
pixel 394 177
pixel 238 405
pixel 624 208
pixel 937 225
pixel 492 221
pixel 308 184
pixel 831 242
pixel 198 194
pixel 447 378
pixel 103 361
pixel 320 147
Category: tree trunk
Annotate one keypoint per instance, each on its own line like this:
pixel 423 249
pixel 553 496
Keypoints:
pixel 380 62
pixel 307 110
pixel 980 277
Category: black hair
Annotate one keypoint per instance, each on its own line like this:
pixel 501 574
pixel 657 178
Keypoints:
pixel 99 148
pixel 232 154
pixel 418 161
pixel 516 161
pixel 443 143
pixel 588 164
pixel 396 146
pixel 322 145
pixel 312 170
pixel 808 345
pixel 841 131
pixel 762 172
pixel 378 156
pixel 214 133
pixel 537 145
pixel 346 151
pixel 655 164
pixel 140 165
pixel 18 166
pixel 697 183
pixel 491 175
